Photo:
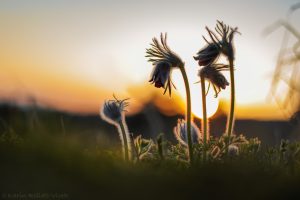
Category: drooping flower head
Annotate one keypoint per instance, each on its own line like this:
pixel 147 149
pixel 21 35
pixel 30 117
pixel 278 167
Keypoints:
pixel 164 60
pixel 226 33
pixel 180 132
pixel 112 111
pixel 210 53
pixel 233 150
pixel 212 73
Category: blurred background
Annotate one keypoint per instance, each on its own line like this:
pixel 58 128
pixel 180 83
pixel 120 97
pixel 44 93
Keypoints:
pixel 60 60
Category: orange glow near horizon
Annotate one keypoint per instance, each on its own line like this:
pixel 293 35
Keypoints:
pixel 79 96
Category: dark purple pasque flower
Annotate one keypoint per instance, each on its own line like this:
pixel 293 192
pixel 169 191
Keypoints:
pixel 226 34
pixel 163 60
pixel 161 74
pixel 112 111
pixel 180 132
pixel 208 54
pixel 212 73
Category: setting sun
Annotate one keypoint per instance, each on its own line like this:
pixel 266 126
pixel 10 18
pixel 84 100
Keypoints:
pixel 211 101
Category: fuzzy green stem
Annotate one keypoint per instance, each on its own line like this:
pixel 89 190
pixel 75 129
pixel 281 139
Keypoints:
pixel 204 118
pixel 126 149
pixel 188 113
pixel 230 120
pixel 135 148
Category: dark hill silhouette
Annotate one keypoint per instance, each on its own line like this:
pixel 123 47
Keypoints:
pixel 149 123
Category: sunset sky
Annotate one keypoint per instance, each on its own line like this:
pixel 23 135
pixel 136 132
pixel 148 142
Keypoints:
pixel 71 55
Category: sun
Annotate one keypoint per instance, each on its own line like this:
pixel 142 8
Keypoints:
pixel 212 103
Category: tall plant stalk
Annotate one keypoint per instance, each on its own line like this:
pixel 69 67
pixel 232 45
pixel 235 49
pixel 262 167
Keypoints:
pixel 230 121
pixel 204 117
pixel 125 141
pixel 188 113
pixel 113 111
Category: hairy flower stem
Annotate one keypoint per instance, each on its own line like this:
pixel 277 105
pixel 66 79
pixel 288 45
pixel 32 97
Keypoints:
pixel 188 113
pixel 135 148
pixel 230 120
pixel 125 142
pixel 204 118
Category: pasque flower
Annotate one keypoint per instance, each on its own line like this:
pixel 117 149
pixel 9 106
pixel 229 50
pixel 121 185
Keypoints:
pixel 233 150
pixel 161 75
pixel 226 47
pixel 180 132
pixel 221 43
pixel 225 44
pixel 164 60
pixel 212 73
pixel 208 54
pixel 112 111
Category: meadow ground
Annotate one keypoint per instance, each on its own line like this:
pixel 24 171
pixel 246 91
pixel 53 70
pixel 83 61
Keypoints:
pixel 41 158
pixel 54 165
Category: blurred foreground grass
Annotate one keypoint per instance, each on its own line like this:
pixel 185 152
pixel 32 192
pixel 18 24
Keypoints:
pixel 55 164
pixel 43 153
